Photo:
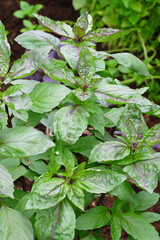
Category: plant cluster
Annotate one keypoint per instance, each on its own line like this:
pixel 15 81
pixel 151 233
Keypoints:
pixel 141 15
pixel 98 142
pixel 28 11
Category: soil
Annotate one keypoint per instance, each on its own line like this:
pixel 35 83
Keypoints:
pixel 57 10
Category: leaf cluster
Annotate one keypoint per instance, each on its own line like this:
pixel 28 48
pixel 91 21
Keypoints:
pixel 26 13
pixel 76 160
pixel 140 15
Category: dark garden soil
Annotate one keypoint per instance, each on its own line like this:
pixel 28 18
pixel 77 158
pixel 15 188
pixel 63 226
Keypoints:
pixel 57 10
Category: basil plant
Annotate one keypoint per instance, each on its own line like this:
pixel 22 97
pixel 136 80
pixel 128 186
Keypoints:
pixel 78 139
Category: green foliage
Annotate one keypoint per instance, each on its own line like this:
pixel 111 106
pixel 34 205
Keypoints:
pixel 140 15
pixel 28 11
pixel 80 161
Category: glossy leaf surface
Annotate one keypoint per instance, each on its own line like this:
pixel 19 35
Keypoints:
pixel 69 123
pixel 23 142
pixel 56 223
pixel 3 120
pixel 13 225
pixel 130 61
pixel 100 181
pixel 152 136
pixel 76 195
pixel 38 39
pixel 109 151
pixel 105 35
pixel 115 227
pixel 86 66
pixel 119 94
pixel 57 27
pixel 138 227
pixel 88 220
pixel 83 25
pixel 71 54
pixel 6 183
pixel 146 200
pixel 151 216
pixel 58 71
pixel 28 63
pixel 4 52
pixel 144 173
pixel 47 193
pixel 46 96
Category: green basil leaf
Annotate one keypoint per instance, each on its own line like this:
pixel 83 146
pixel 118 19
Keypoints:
pixel 125 192
pixel 146 200
pixel 69 123
pixel 23 142
pixel 112 116
pixel 46 96
pixel 152 136
pixel 144 173
pixel 100 181
pixel 6 183
pixel 86 66
pixel 21 207
pixel 150 216
pixel 14 89
pixel 141 155
pixel 47 119
pixel 28 64
pixel 4 52
pixel 18 172
pixel 132 62
pixel 82 94
pixel 138 227
pixel 28 85
pixel 13 166
pixel 57 27
pixel 18 102
pixel 88 220
pixel 83 25
pixel 66 158
pixel 3 120
pixel 119 94
pixel 76 195
pixel 57 70
pixel 115 227
pixel 78 171
pixel 56 223
pixel 84 145
pixel 78 31
pixel 92 106
pixel 21 114
pixel 47 193
pixel 71 55
pixel 129 130
pixel 105 34
pixel 38 39
pixel 132 113
pixel 37 166
pixel 97 121
pixel 109 151
pixel 13 225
